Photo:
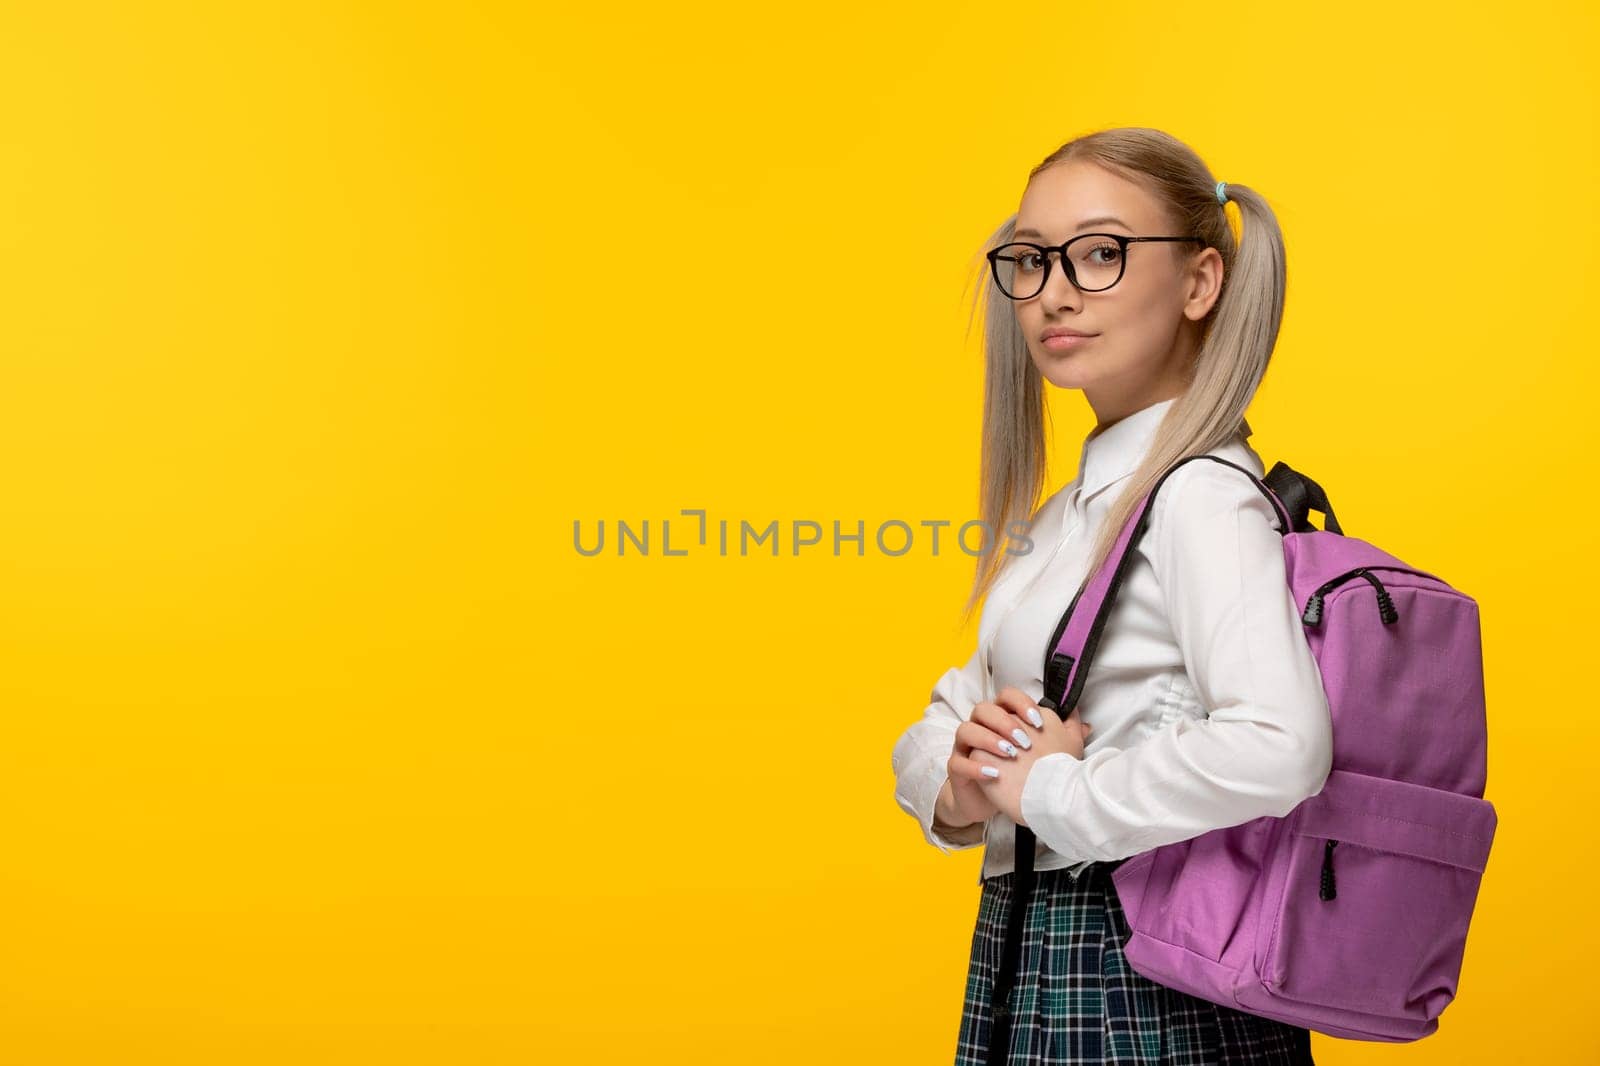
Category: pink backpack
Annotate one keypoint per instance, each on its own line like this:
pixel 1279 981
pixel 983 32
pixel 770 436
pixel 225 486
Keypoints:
pixel 1349 915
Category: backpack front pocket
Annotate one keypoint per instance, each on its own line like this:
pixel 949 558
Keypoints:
pixel 1380 886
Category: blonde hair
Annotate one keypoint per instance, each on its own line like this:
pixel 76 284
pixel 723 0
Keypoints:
pixel 1239 334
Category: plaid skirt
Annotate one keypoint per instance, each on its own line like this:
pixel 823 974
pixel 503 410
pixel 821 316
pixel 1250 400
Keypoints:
pixel 1078 1001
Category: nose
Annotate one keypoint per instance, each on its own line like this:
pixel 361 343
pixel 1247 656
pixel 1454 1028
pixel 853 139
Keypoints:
pixel 1059 291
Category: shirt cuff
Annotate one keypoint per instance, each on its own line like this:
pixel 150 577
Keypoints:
pixel 1044 805
pixel 944 838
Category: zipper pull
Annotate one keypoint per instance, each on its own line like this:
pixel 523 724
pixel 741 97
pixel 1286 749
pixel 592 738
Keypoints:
pixel 1327 891
pixel 1313 613
pixel 1386 609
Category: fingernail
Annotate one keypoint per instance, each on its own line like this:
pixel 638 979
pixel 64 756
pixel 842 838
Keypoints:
pixel 1033 716
pixel 1009 748
pixel 1022 738
pixel 991 771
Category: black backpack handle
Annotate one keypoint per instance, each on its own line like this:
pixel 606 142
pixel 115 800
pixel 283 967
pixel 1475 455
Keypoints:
pixel 1300 495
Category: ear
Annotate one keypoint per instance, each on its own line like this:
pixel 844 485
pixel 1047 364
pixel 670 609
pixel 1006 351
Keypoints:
pixel 1204 281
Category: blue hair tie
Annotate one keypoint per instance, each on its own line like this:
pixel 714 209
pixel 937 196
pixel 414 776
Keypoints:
pixel 1222 194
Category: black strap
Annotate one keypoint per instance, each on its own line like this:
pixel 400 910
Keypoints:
pixel 1300 495
pixel 1003 996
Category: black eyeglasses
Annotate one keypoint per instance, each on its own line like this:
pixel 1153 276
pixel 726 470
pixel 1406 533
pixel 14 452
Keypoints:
pixel 1094 262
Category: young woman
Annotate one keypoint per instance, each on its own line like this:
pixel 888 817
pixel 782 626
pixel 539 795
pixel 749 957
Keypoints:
pixel 1119 277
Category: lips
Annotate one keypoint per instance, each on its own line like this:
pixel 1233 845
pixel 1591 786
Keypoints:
pixel 1060 340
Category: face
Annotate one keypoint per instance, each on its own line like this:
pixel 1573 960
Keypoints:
pixel 1145 329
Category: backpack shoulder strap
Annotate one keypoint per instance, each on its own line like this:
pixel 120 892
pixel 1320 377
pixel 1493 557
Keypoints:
pixel 1072 645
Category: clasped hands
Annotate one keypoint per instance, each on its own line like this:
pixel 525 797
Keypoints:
pixel 994 750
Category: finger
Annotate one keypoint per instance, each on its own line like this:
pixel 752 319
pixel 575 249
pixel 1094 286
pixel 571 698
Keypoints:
pixel 974 738
pixel 979 729
pixel 1022 712
pixel 994 716
pixel 1019 703
pixel 972 769
pixel 989 715
pixel 1002 723
pixel 1005 727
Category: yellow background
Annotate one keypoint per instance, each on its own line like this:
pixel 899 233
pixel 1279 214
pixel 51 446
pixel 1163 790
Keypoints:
pixel 324 323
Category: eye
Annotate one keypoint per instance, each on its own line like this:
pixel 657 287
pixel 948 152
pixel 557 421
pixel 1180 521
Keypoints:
pixel 1104 253
pixel 1029 261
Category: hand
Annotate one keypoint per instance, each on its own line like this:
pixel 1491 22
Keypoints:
pixel 961 801
pixel 1012 710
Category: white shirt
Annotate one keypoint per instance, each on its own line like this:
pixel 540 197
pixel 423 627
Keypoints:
pixel 1207 705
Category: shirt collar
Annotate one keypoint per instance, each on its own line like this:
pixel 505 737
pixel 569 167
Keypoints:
pixel 1111 453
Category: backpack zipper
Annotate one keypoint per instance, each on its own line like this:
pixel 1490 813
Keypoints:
pixel 1313 612
pixel 1327 890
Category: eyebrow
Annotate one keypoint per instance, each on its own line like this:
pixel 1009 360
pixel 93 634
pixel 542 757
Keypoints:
pixel 1095 221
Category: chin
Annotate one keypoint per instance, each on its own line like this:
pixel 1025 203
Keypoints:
pixel 1064 371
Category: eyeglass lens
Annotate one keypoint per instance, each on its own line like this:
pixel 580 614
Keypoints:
pixel 1096 262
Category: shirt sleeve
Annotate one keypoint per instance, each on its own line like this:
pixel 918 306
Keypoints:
pixel 922 754
pixel 1267 743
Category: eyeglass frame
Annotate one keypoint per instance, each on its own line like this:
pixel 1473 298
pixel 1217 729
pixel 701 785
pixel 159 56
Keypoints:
pixel 1122 239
